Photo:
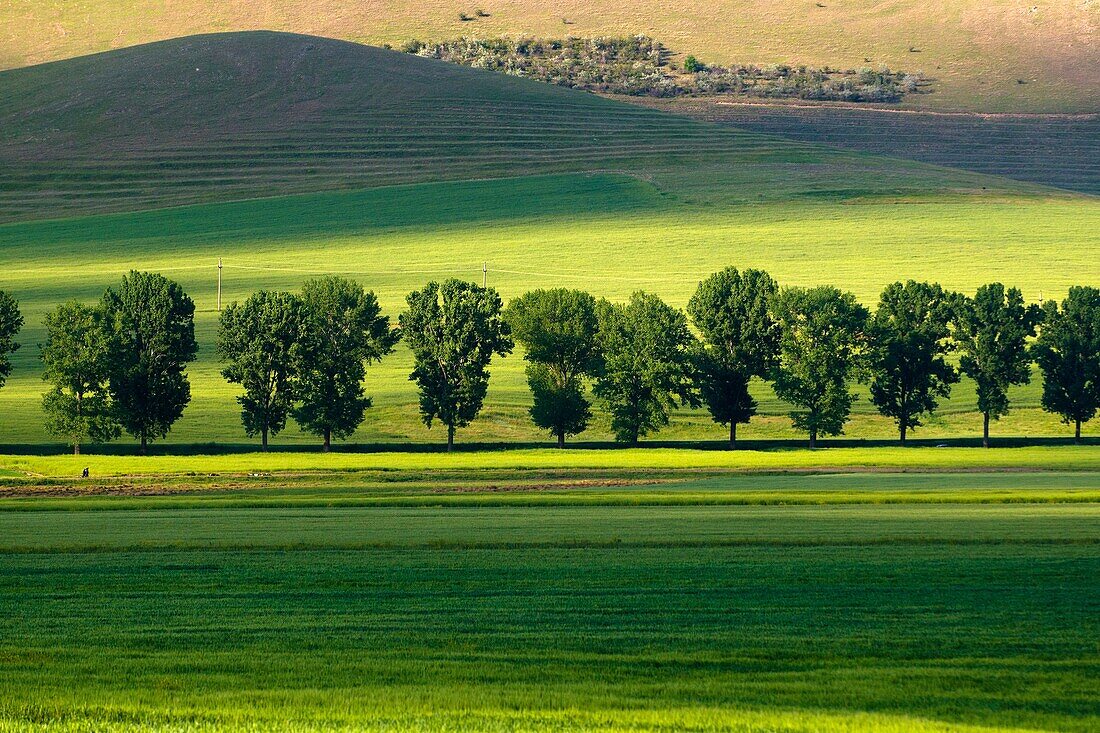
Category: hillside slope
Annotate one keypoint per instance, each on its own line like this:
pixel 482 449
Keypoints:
pixel 243 115
pixel 1055 150
pixel 987 55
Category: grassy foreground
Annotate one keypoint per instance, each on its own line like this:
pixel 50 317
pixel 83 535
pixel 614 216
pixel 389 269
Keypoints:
pixel 444 600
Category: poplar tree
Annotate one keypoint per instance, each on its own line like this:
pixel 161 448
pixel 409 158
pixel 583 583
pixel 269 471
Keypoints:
pixel 453 330
pixel 151 323
pixel 1068 352
pixel 822 344
pixel 910 341
pixel 732 311
pixel 77 362
pixel 343 330
pixel 646 372
pixel 557 329
pixel 261 339
pixel 11 320
pixel 993 328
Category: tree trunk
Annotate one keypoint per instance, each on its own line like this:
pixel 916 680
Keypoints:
pixel 79 412
pixel 985 429
pixel 144 449
pixel 1077 433
pixel 733 435
pixel 561 438
pixel 903 432
pixel 813 439
pixel 263 439
pixel 450 438
pixel 328 441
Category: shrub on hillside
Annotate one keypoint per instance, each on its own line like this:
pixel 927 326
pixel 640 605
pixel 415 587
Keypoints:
pixel 638 66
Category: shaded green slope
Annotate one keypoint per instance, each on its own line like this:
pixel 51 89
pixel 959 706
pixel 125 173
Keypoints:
pixel 1055 150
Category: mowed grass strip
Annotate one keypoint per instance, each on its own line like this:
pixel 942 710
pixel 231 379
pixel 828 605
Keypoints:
pixel 546 488
pixel 854 618
pixel 883 459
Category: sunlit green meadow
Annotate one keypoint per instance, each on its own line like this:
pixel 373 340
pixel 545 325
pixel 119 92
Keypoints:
pixel 508 462
pixel 610 234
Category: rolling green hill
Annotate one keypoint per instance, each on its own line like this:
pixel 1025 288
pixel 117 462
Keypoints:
pixel 986 55
pixel 243 115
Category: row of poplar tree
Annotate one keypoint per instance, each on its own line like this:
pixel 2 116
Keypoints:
pixel 120 365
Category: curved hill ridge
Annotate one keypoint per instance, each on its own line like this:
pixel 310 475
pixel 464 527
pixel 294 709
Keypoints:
pixel 237 115
pixel 987 55
pixel 244 115
pixel 253 79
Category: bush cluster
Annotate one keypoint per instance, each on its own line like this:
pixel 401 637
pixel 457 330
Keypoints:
pixel 640 66
pixel 120 365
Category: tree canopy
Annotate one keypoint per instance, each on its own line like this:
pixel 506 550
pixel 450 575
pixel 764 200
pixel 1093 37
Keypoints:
pixel 910 340
pixel 77 364
pixel 11 320
pixel 342 331
pixel 823 342
pixel 453 331
pixel 732 311
pixel 152 330
pixel 1068 352
pixel 557 329
pixel 647 370
pixel 993 328
pixel 261 339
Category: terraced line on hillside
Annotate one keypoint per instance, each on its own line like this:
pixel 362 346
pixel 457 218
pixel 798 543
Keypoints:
pixel 352 151
pixel 234 116
pixel 1056 150
pixel 247 126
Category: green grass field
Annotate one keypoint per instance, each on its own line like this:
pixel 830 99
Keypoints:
pixel 608 233
pixel 443 600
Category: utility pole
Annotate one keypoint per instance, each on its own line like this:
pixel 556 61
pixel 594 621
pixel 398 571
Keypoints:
pixel 484 274
pixel 219 285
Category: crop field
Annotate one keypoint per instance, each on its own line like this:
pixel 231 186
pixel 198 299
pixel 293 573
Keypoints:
pixel 435 598
pixel 609 233
pixel 985 55
pixel 1056 150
